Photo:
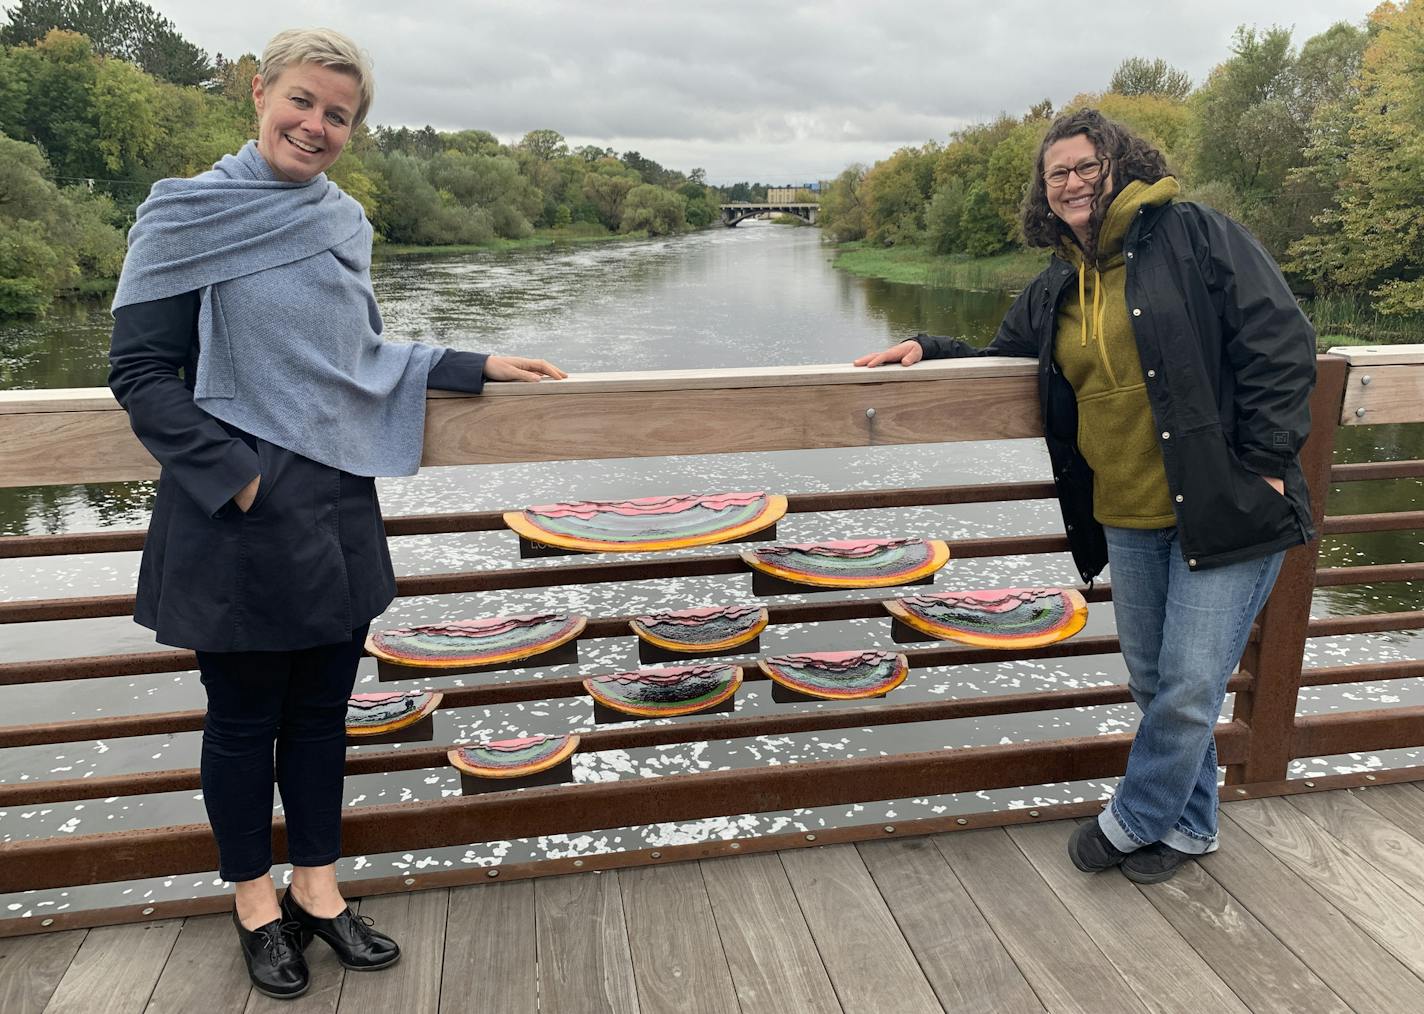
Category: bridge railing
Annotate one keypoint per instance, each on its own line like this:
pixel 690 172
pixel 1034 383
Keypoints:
pixel 64 437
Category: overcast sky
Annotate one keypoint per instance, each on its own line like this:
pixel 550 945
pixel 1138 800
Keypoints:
pixel 758 91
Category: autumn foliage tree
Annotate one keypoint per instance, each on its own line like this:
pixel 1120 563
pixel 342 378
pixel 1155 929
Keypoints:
pixel 1372 235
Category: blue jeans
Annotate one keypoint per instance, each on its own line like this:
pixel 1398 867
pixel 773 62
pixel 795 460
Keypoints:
pixel 1182 634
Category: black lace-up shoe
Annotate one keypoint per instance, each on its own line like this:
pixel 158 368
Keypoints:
pixel 357 946
pixel 1091 851
pixel 1154 864
pixel 274 961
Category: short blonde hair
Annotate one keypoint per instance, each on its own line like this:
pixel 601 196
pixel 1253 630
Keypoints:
pixel 324 47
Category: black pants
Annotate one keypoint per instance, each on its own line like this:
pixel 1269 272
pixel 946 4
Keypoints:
pixel 282 711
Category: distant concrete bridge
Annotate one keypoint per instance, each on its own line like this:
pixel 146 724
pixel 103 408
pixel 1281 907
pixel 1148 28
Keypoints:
pixel 734 213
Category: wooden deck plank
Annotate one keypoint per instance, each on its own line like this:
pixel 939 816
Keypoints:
pixel 678 962
pixel 204 971
pixel 1260 969
pixel 1403 804
pixel 1349 882
pixel 1060 961
pixel 412 986
pixel 321 997
pixel 773 959
pixel 115 969
pixel 490 952
pixel 1366 832
pixel 1165 972
pixel 869 962
pixel 1348 960
pixel 31 967
pixel 584 960
pixel 965 963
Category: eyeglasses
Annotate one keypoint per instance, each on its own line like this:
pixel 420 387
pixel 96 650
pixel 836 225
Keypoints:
pixel 1088 170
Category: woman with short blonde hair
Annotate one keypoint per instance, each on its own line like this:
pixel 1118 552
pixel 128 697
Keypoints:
pixel 247 351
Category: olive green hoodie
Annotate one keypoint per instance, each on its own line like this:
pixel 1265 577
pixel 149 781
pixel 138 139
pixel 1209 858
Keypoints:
pixel 1096 351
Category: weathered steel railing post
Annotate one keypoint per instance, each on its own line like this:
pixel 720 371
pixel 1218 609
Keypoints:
pixel 1275 658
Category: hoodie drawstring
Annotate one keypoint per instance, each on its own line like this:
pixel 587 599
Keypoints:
pixel 1082 307
pixel 1099 307
pixel 1097 313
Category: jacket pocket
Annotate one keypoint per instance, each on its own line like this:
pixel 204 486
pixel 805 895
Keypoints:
pixel 271 464
pixel 1227 507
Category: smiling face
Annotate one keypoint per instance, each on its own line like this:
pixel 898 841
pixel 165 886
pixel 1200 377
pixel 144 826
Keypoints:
pixel 304 119
pixel 1073 202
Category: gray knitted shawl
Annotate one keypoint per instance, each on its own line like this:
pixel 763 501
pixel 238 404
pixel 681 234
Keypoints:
pixel 289 332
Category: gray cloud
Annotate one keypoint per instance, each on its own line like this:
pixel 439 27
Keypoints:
pixel 748 90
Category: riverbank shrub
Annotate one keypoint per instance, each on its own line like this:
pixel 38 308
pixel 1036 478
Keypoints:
pixel 654 210
pixel 1318 150
pixel 108 125
pixel 50 237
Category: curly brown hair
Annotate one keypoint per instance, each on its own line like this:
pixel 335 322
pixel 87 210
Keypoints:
pixel 1129 158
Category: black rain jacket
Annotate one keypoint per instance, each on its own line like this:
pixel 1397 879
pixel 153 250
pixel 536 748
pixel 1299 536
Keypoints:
pixel 1229 362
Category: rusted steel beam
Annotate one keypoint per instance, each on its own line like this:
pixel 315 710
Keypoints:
pixel 1269 707
pixel 502 816
pixel 461 582
pixel 128 540
pixel 90 667
pixel 1358 731
pixel 1380 573
pixel 117 727
pixel 1364 470
pixel 421 758
pixel 1335 675
pixel 156 662
pixel 510 692
pixel 1371 623
pixel 426 880
pixel 77 608
pixel 1395 521
pixel 930 496
pixel 131 540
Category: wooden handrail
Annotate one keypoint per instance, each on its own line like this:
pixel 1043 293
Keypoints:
pixel 81 435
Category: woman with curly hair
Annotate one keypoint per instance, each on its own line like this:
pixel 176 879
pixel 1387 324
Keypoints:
pixel 1175 371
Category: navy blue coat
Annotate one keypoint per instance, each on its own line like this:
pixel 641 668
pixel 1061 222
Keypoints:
pixel 306 565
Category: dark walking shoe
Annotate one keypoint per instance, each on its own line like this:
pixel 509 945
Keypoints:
pixel 357 946
pixel 1091 851
pixel 274 961
pixel 1154 864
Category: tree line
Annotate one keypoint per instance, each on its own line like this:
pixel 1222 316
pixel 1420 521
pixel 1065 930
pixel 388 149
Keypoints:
pixel 1319 150
pixel 100 98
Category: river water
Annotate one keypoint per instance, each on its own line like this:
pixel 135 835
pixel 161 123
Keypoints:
pixel 757 295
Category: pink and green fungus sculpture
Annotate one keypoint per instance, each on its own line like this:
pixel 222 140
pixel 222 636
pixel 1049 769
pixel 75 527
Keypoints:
pixel 666 692
pixel 513 758
pixel 838 675
pixel 701 630
pixel 464 643
pixel 380 713
pixel 851 563
pixel 996 618
pixel 648 523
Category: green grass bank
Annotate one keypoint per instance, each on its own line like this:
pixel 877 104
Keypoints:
pixel 1338 320
pixel 913 265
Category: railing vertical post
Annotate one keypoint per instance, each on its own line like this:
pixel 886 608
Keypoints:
pixel 1269 708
